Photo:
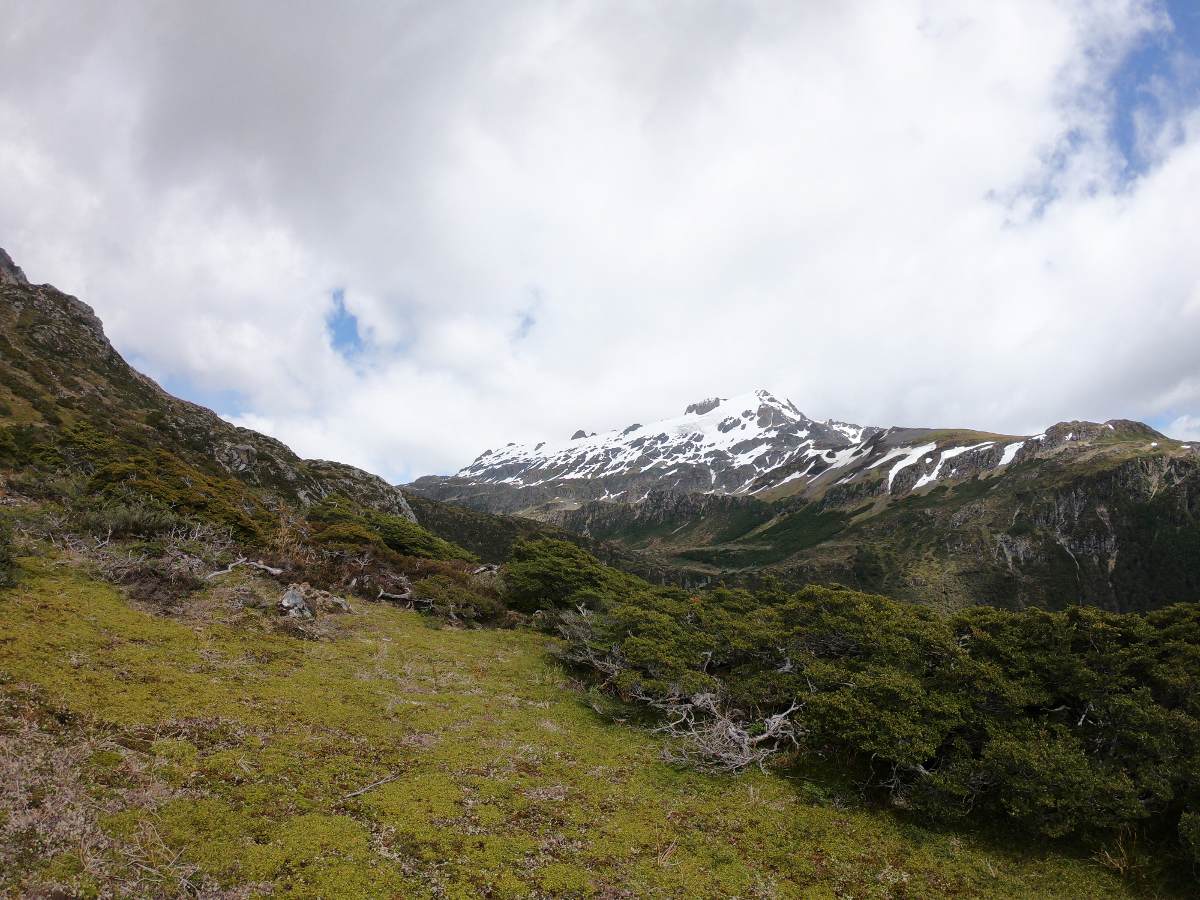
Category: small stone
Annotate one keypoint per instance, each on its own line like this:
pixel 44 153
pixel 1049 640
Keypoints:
pixel 293 603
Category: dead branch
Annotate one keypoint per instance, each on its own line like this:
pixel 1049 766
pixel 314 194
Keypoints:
pixel 713 736
pixel 578 628
pixel 226 570
pixel 370 787
pixel 384 595
pixel 243 561
pixel 717 738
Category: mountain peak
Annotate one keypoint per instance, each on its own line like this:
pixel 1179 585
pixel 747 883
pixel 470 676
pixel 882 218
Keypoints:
pixel 735 405
pixel 756 443
pixel 718 445
pixel 10 272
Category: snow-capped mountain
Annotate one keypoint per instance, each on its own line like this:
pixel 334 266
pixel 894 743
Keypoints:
pixel 754 444
pixel 717 445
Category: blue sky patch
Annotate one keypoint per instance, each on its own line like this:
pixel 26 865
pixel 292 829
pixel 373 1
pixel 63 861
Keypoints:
pixel 342 326
pixel 1162 70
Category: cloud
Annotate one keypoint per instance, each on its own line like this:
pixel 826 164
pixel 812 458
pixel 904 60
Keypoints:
pixel 1185 428
pixel 582 215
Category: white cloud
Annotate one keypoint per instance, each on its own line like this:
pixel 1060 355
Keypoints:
pixel 1185 428
pixel 902 211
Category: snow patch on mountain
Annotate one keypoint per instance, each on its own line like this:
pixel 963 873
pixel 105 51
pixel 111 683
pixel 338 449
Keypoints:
pixel 910 457
pixel 1010 450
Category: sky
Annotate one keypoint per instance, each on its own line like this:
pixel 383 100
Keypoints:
pixel 399 233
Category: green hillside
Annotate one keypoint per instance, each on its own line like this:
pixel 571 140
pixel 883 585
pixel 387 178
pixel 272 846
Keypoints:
pixel 155 755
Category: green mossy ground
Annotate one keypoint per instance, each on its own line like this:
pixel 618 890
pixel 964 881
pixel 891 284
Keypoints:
pixel 498 777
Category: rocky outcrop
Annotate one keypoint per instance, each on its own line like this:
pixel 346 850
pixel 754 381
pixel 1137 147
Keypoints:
pixel 10 272
pixel 1121 533
pixel 704 406
pixel 330 478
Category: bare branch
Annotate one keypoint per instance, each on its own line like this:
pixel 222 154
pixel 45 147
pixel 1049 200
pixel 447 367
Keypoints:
pixel 717 738
pixel 243 561
pixel 227 570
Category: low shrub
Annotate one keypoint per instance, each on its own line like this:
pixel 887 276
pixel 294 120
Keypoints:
pixel 453 600
pixel 348 534
pixel 1079 723
pixel 129 519
pixel 157 584
pixel 160 478
pixel 337 521
pixel 410 539
pixel 548 574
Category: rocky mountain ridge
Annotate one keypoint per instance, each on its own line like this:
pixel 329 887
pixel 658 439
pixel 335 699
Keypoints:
pixel 757 445
pixel 59 373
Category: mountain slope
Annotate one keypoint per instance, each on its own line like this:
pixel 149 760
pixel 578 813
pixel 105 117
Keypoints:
pixel 66 393
pixel 716 446
pixel 71 406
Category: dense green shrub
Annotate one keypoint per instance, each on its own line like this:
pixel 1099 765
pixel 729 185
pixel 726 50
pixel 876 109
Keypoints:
pixel 348 534
pixel 337 521
pixel 1081 722
pixel 410 539
pixel 1189 833
pixel 549 574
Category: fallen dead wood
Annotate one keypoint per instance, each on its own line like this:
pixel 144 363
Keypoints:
pixel 254 564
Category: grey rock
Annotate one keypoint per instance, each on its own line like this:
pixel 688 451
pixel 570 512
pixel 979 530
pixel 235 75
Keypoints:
pixel 10 272
pixel 236 457
pixel 340 604
pixel 294 604
pixel 704 406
